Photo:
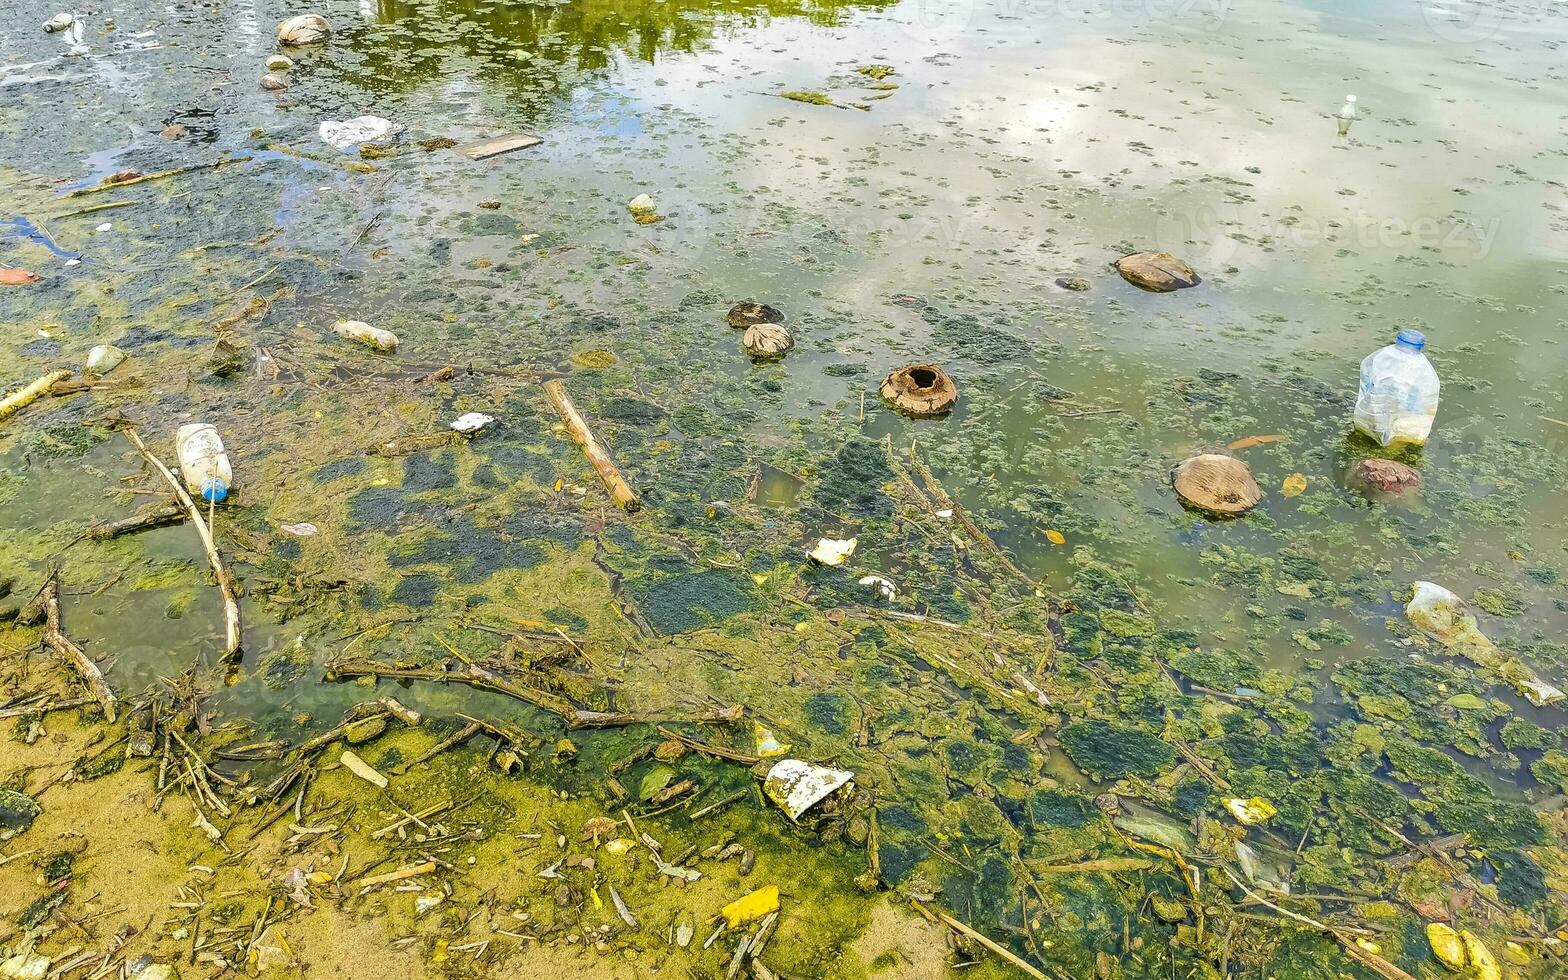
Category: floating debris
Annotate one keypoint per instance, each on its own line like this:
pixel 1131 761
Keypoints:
pixel 749 908
pixel 833 551
pixel 362 769
pixel 372 337
pixel 303 29
pixel 920 390
pixel 485 149
pixel 798 786
pixel 1221 486
pixel 471 423
pixel 1157 272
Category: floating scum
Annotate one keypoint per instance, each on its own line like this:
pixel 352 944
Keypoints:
pixel 515 703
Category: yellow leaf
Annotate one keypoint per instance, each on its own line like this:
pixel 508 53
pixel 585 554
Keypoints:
pixel 558 485
pixel 1294 484
pixel 1481 958
pixel 1055 537
pixel 598 903
pixel 1446 945
pixel 759 903
pixel 1251 441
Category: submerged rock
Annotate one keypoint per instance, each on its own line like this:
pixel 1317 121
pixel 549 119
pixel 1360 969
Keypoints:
pixel 1074 284
pixel 1159 272
pixel 921 390
pixel 279 62
pixel 749 313
pixel 304 29
pixel 1218 485
pixel 274 83
pixel 17 812
pixel 173 131
pixel 1383 476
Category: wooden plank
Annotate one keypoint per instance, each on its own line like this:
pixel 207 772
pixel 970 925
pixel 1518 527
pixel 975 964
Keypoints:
pixel 485 149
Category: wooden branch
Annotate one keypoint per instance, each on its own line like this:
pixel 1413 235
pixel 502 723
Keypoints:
pixel 990 944
pixel 231 606
pixel 160 517
pixel 18 400
pixel 117 184
pixel 620 491
pixel 56 640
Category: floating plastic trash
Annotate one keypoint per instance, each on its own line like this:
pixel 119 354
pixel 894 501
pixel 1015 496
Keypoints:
pixel 471 423
pixel 1347 114
pixel 375 337
pixel 360 129
pixel 832 551
pixel 1249 812
pixel 798 786
pixel 1399 392
pixel 204 463
pixel 882 585
pixel 750 908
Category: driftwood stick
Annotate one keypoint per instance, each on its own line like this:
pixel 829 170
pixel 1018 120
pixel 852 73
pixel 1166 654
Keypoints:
pixel 20 399
pixel 990 944
pixel 620 491
pixel 117 184
pixel 160 517
pixel 56 640
pixel 231 606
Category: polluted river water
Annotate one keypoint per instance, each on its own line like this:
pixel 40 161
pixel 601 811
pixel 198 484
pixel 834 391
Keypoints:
pixel 1092 733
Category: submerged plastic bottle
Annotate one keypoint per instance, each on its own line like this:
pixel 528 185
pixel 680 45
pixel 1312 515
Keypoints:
pixel 204 463
pixel 1347 114
pixel 1399 390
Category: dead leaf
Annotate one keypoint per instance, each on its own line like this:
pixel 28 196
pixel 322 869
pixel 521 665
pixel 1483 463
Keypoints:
pixel 17 277
pixel 1251 441
pixel 1055 537
pixel 1293 486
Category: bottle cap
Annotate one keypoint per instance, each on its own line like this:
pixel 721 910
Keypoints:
pixel 214 490
pixel 1411 337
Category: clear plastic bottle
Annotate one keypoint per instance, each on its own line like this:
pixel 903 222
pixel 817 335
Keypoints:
pixel 204 463
pixel 1347 114
pixel 1399 389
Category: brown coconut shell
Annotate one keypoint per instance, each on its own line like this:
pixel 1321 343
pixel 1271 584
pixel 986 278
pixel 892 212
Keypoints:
pixel 922 390
pixel 1219 485
pixel 765 341
pixel 749 313
pixel 1158 272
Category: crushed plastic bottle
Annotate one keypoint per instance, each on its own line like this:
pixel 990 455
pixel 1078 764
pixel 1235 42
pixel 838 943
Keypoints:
pixel 204 463
pixel 373 337
pixel 1347 114
pixel 1399 390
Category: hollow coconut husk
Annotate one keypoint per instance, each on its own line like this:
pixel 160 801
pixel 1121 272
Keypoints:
pixel 749 313
pixel 1221 486
pixel 767 341
pixel 922 390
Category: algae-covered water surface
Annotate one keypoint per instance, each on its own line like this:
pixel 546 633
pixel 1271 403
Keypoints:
pixel 482 721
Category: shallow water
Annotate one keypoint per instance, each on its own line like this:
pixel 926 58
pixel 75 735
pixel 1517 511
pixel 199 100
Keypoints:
pixel 929 219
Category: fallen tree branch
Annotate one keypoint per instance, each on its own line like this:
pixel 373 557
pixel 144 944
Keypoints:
pixel 988 943
pixel 160 517
pixel 231 606
pixel 117 184
pixel 620 491
pixel 18 400
pixel 56 640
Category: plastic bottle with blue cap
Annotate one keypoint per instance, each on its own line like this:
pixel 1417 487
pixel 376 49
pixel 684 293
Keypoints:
pixel 204 463
pixel 1399 390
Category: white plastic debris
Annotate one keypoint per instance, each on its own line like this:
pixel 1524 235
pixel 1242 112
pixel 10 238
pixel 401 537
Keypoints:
pixel 375 337
pixel 104 358
pixel 768 744
pixel 882 585
pixel 352 132
pixel 303 529
pixel 1443 616
pixel 471 422
pixel 798 786
pixel 106 226
pixel 641 204
pixel 58 23
pixel 833 551
pixel 25 966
